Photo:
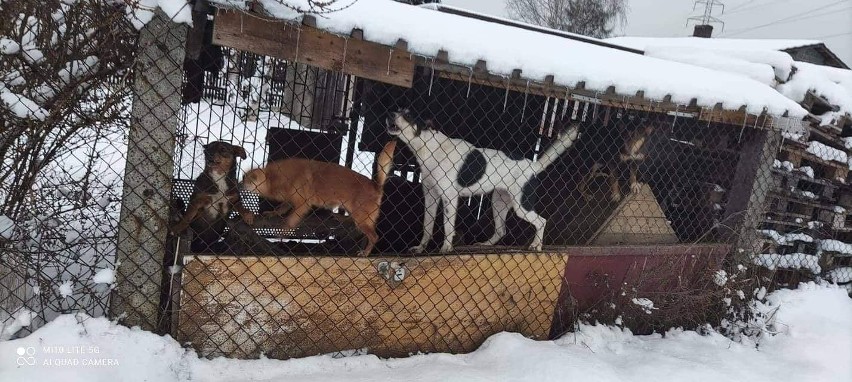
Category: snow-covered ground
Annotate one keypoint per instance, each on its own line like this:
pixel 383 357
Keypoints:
pixel 813 342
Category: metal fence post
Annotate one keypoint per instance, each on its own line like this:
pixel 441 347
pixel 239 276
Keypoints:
pixel 143 225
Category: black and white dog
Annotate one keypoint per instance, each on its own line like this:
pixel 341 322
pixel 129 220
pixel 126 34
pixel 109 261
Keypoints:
pixel 453 168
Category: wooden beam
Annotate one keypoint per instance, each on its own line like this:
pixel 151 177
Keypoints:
pixel 309 45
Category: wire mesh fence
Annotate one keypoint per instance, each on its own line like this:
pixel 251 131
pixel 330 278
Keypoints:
pixel 251 205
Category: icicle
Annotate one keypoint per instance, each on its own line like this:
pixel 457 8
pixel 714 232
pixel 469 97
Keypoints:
pixel 506 96
pixel 469 79
pixel 710 120
pixel 677 114
pixel 431 77
pixel 345 46
pixel 526 94
pixel 390 55
pixel 595 111
pixel 298 37
pixel 742 129
pixel 576 109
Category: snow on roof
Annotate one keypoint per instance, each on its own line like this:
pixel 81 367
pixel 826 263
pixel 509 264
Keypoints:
pixel 832 84
pixel 643 43
pixel 760 60
pixel 538 55
pixel 523 25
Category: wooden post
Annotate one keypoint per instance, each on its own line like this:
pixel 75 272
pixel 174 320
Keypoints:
pixel 143 225
pixel 751 185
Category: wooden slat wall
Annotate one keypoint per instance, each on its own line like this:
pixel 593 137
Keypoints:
pixel 307 45
pixel 301 306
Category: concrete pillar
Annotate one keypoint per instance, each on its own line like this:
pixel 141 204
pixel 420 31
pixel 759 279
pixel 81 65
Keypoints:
pixel 752 183
pixel 143 225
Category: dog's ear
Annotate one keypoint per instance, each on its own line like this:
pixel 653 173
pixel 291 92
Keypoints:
pixel 239 151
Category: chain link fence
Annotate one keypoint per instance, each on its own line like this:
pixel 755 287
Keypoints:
pixel 126 143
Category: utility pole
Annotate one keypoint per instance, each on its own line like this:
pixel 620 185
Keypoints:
pixel 703 22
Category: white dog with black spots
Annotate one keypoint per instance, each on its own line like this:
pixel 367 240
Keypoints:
pixel 453 168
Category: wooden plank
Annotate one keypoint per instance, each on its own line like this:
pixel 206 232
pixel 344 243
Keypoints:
pixel 839 168
pixel 312 46
pixel 299 306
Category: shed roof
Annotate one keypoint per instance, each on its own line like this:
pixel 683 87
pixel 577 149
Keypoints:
pixel 762 60
pixel 643 43
pixel 537 55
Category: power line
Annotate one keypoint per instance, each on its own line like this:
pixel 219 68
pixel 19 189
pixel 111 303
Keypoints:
pixel 791 18
pixel 830 36
pixel 754 6
pixel 742 5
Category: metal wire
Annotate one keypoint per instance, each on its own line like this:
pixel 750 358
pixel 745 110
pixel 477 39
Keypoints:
pixel 639 205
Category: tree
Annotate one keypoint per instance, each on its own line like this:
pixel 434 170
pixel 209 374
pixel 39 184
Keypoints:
pixel 64 112
pixel 418 2
pixel 594 18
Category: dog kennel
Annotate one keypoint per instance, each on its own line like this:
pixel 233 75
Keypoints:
pixel 312 88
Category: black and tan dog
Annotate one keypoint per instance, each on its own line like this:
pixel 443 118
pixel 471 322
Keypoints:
pixel 215 194
pixel 630 143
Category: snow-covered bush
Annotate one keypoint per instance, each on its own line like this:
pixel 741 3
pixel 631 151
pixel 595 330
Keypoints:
pixel 65 71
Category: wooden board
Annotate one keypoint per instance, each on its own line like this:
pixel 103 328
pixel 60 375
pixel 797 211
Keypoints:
pixel 308 45
pixel 637 220
pixel 300 306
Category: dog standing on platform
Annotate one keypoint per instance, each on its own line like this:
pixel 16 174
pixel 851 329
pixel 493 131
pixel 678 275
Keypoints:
pixel 215 194
pixel 453 168
pixel 630 143
pixel 303 184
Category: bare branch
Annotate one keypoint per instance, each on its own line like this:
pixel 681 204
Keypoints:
pixel 595 18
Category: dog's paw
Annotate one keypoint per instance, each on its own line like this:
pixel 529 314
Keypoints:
pixel 363 253
pixel 417 249
pixel 446 248
pixel 178 229
pixel 535 247
pixel 615 197
pixel 248 218
pixel 491 241
pixel 636 187
pixel 573 132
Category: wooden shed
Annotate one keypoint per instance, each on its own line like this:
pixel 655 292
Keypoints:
pixel 329 89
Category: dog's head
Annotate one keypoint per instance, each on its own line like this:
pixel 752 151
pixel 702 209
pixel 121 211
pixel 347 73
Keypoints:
pixel 221 156
pixel 403 123
pixel 254 181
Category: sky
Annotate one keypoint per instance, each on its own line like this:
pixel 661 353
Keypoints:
pixel 829 21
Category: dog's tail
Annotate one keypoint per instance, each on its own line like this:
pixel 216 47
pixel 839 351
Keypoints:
pixel 559 146
pixel 384 164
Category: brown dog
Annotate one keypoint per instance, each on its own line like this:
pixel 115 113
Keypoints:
pixel 303 184
pixel 214 194
pixel 630 155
